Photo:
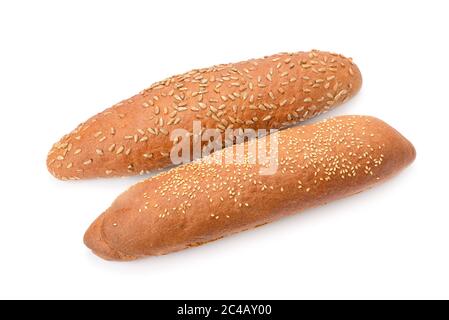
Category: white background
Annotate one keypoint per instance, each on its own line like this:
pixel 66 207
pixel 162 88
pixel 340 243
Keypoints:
pixel 61 62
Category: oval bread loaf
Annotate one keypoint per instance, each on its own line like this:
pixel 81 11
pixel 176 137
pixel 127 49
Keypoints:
pixel 133 136
pixel 202 201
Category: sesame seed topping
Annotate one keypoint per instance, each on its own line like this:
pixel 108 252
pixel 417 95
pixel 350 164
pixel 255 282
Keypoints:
pixel 266 118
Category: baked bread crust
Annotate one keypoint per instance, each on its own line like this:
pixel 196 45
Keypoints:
pixel 132 137
pixel 201 201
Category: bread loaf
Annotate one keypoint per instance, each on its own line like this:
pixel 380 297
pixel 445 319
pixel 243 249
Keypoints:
pixel 203 201
pixel 133 136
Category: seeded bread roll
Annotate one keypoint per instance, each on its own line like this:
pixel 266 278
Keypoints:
pixel 202 201
pixel 132 137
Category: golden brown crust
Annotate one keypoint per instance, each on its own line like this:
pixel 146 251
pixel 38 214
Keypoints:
pixel 201 201
pixel 132 137
pixel 94 236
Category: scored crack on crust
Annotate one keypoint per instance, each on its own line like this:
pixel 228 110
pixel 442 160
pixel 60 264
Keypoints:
pixel 94 238
pixel 132 137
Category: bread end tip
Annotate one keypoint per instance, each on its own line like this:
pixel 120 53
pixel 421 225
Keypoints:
pixel 93 239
